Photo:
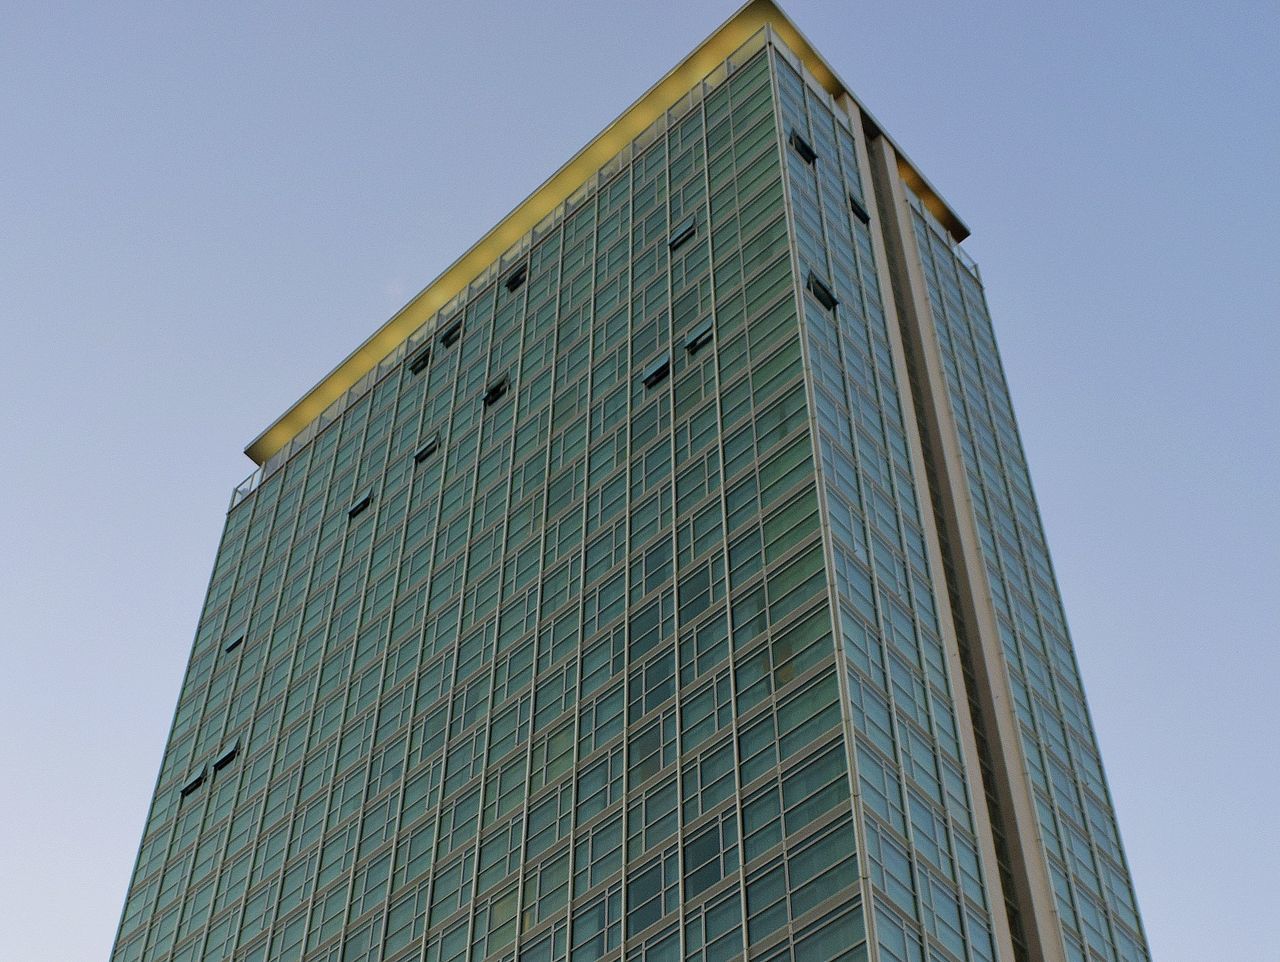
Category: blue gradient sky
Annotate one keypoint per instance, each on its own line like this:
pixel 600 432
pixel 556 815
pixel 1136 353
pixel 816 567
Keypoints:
pixel 204 207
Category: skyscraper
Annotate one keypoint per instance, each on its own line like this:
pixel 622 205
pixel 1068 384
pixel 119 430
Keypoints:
pixel 664 582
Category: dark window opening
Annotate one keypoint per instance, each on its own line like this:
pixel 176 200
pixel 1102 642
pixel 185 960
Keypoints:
pixel 360 503
pixel 859 211
pixel 821 293
pixel 427 449
pixel 227 756
pixel 683 231
pixel 449 336
pixel 496 390
pixel 234 643
pixel 657 372
pixel 517 277
pixel 700 336
pixel 803 148
pixel 194 782
pixel 418 363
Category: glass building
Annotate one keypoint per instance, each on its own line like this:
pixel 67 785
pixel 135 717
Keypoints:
pixel 666 585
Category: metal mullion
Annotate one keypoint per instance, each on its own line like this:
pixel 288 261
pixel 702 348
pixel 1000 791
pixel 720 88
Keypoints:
pixel 391 433
pixel 329 796
pixel 144 928
pixel 456 358
pixel 542 539
pixel 493 668
pixel 626 555
pixel 582 554
pixel 724 511
pixel 908 589
pixel 1002 563
pixel 312 550
pixel 297 514
pixel 682 919
pixel 833 595
pixel 1020 560
pixel 196 731
pixel 319 672
pixel 410 484
pixel 448 741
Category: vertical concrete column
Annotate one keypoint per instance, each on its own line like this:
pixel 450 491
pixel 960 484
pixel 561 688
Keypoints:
pixel 955 670
pixel 992 719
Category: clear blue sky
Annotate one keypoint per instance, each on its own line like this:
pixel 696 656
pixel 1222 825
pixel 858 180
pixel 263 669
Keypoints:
pixel 203 207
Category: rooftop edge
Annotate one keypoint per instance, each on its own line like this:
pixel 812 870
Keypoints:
pixel 564 182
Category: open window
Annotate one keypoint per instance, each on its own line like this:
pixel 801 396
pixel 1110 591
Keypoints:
pixel 420 360
pixel 802 147
pixel 361 502
pixel 226 756
pixel 859 211
pixel 821 292
pixel 449 336
pixel 496 390
pixel 234 643
pixel 516 278
pixel 657 372
pixel 683 231
pixel 194 781
pixel 427 449
pixel 700 336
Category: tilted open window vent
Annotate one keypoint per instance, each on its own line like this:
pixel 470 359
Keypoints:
pixel 360 503
pixel 496 390
pixel 517 277
pixel 683 231
pixel 226 756
pixel 656 372
pixel 859 211
pixel 193 782
pixel 449 336
pixel 427 449
pixel 821 293
pixel 700 336
pixel 420 361
pixel 802 147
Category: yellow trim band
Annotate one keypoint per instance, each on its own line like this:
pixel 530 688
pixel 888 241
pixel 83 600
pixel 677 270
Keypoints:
pixel 562 184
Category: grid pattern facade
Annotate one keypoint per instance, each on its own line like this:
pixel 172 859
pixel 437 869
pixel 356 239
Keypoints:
pixel 565 680
pixel 1094 894
pixel 600 621
pixel 914 802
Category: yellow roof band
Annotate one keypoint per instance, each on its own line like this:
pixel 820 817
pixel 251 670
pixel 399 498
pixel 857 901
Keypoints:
pixel 561 185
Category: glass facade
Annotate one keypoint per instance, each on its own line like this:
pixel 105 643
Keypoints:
pixel 1092 888
pixel 601 621
pixel 914 803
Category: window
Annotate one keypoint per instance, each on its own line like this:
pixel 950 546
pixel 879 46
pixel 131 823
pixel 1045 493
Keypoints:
pixel 683 231
pixel 821 292
pixel 194 782
pixel 859 211
pixel 652 892
pixel 516 278
pixel 226 756
pixel 496 390
pixel 427 449
pixel 802 147
pixel 234 643
pixel 700 336
pixel 361 502
pixel 419 361
pixel 657 372
pixel 449 336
